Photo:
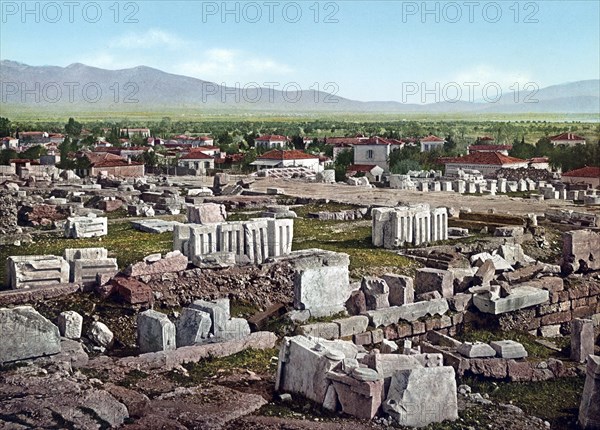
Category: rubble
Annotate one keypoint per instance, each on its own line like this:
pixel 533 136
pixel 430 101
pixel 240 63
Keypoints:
pixel 88 226
pixel 70 324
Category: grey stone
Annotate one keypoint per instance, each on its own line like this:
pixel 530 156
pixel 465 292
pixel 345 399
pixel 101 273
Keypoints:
pixel 155 332
pixel 519 298
pixel 589 408
pixel 24 334
pixel 410 312
pixel 401 289
pixel 155 226
pixel 352 325
pixel 36 270
pixel 476 350
pixel 100 334
pixel 514 254
pixel 325 330
pixel 509 349
pixel 376 292
pixel 427 280
pixel 485 273
pixel 581 251
pixel 206 213
pixel 192 327
pixel 421 396
pixel 218 311
pixel 235 329
pixel 388 347
pixel 86 227
pixel 582 339
pixel 70 324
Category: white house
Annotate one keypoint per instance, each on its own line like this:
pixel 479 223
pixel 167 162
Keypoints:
pixel 431 143
pixel 503 149
pixel 569 139
pixel 9 143
pixel 277 158
pixel 270 141
pixel 375 151
pixel 485 162
pixel 198 161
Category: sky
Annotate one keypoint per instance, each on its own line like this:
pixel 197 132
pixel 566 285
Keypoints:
pixel 407 51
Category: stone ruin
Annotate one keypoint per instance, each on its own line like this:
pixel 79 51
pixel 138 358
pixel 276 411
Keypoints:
pixel 414 224
pixel 415 390
pixel 237 242
pixel 86 226
pixel 589 409
pixel 581 251
pixel 80 265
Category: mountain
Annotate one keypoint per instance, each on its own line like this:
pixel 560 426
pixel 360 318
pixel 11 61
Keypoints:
pixel 78 87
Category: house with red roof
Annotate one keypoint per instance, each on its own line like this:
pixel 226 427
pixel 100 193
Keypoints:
pixel 375 151
pixel 106 163
pixel 198 161
pixel 278 158
pixel 570 139
pixel 271 141
pixel 588 175
pixel 431 143
pixel 487 163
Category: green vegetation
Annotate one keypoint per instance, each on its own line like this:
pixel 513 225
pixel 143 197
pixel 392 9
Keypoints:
pixel 123 242
pixel 254 360
pixel 556 400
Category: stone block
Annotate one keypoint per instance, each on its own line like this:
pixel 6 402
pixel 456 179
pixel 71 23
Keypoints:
pixel 26 271
pixel 360 399
pixel 192 327
pixel 582 339
pixel 581 251
pixel 589 408
pixel 427 280
pixel 154 226
pixel 70 324
pixel 421 396
pixel 86 227
pixel 85 272
pixel 155 332
pixel 519 298
pixel 352 325
pixel 410 312
pixel 509 349
pixel 26 334
pixel 365 338
pixel 132 291
pixel 235 329
pixel 100 334
pixel 401 289
pixel 218 311
pixel 172 262
pixel 206 213
pixel 323 330
pixel 476 350
pixel 376 292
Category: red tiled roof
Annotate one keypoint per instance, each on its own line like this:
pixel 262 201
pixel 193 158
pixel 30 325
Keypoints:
pixel 196 155
pixel 116 163
pixel 491 158
pixel 271 137
pixel 206 148
pixel 376 140
pixel 486 139
pixel 432 138
pixel 539 160
pixel 490 147
pixel 278 154
pixel 365 168
pixel 344 140
pixel 567 136
pixel 584 172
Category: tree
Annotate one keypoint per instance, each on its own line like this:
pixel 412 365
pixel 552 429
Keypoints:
pixel 4 127
pixel 402 167
pixel 522 150
pixel 6 155
pixel 73 128
pixel 342 161
pixel 33 153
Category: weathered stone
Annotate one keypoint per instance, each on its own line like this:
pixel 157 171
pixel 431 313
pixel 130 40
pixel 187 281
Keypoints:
pixel 100 334
pixel 519 371
pixel 550 330
pixel 154 226
pixel 323 330
pixel 172 262
pixel 410 312
pixel 421 396
pixel 206 213
pixel 192 327
pixel 521 297
pixel 489 367
pixel 476 350
pixel 70 324
pixel 460 302
pixel 376 292
pixel 401 289
pixel 235 328
pixel 582 339
pixel 36 270
pixel 589 408
pixel 86 226
pixel 514 254
pixel 155 332
pixel 356 304
pixel 581 251
pixel 357 397
pixel 438 280
pixel 509 349
pixel 137 403
pixel 24 334
pixel 352 325
pixel 485 273
pixel 388 347
pixel 218 311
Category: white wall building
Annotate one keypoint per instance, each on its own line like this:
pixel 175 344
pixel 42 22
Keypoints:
pixel 271 141
pixel 431 143
pixel 293 158
pixel 375 152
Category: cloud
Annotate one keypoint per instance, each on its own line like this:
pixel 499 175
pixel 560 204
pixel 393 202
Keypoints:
pixel 150 39
pixel 219 64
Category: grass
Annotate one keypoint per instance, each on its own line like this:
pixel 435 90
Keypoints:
pixel 255 360
pixel 556 401
pixel 534 349
pixel 353 238
pixel 123 242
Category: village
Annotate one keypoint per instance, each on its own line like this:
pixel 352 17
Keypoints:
pixel 297 282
